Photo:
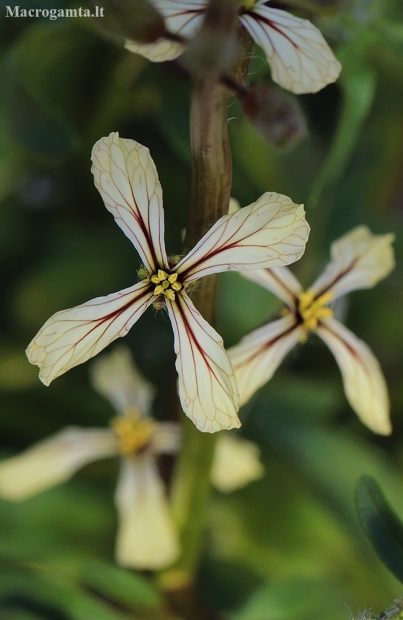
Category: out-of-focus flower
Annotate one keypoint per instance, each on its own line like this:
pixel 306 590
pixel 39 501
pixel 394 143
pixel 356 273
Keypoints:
pixel 270 232
pixel 146 538
pixel 300 59
pixel 359 260
pixel 236 463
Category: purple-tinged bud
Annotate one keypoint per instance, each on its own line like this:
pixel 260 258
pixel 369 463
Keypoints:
pixel 275 115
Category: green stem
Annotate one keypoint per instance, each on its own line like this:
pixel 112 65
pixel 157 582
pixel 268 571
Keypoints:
pixel 210 196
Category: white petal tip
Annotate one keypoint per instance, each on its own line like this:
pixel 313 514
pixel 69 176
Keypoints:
pixel 45 380
pixel 236 463
pixel 212 426
pixel 385 428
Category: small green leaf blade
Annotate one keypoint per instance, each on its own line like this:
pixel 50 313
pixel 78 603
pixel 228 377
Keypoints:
pixel 122 586
pixel 381 525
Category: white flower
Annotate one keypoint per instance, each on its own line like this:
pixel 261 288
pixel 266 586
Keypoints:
pixel 359 260
pixel 300 59
pixel 146 537
pixel 267 233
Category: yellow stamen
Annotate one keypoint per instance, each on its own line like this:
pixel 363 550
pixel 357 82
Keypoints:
pixel 324 312
pixel 305 299
pixel 311 310
pixel 170 294
pixel 325 298
pixel 166 284
pixel 134 434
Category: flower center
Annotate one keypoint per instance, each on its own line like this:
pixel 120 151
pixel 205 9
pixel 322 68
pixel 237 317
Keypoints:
pixel 311 310
pixel 134 434
pixel 166 284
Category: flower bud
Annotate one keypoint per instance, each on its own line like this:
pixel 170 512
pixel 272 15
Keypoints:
pixel 275 115
pixel 137 20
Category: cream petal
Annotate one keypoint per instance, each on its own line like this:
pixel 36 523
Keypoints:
pixel 236 463
pixel 73 336
pixel 116 377
pixel 126 177
pixel 166 438
pixel 364 383
pixel 54 460
pixel 256 358
pixel 207 386
pixel 268 233
pixel 161 50
pixel 359 259
pixel 146 538
pixel 182 18
pixel 278 280
pixel 300 59
pixel 234 205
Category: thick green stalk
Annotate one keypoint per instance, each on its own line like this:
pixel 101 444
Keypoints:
pixel 210 196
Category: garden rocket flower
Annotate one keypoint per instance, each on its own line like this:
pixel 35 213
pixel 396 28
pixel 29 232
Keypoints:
pixel 358 260
pixel 300 59
pixel 270 232
pixel 146 537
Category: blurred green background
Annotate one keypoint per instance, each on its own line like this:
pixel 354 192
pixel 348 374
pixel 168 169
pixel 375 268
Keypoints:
pixel 288 547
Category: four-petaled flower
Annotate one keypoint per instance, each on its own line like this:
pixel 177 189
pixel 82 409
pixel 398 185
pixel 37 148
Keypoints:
pixel 267 233
pixel 300 59
pixel 146 537
pixel 359 260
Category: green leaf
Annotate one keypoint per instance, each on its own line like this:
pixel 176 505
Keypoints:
pixel 42 92
pixel 358 84
pixel 19 614
pixel 53 591
pixel 382 526
pixel 34 123
pixel 55 524
pixel 122 586
pixel 289 600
